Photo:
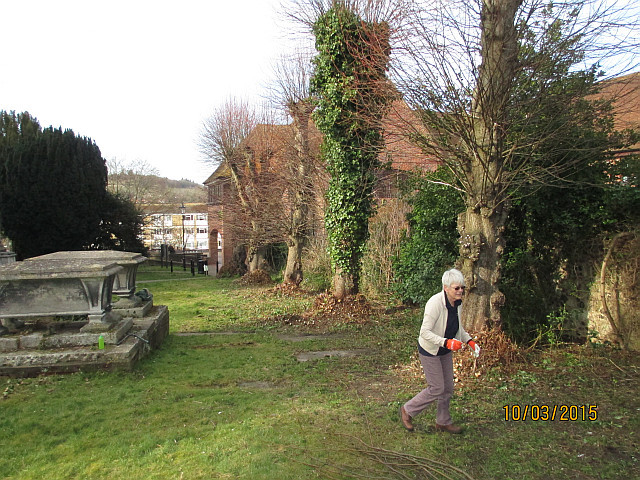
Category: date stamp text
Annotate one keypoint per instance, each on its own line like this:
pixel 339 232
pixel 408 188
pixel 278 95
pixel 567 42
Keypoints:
pixel 550 413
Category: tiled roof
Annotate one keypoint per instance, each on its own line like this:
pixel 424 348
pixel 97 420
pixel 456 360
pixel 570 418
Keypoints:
pixel 625 92
pixel 222 171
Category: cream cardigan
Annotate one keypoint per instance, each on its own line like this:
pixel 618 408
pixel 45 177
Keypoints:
pixel 434 324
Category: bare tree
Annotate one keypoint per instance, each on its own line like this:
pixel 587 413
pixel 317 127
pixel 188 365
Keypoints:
pixel 291 92
pixel 134 180
pixel 461 66
pixel 233 138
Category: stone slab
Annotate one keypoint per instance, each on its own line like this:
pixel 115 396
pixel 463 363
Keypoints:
pixel 82 338
pixel 9 344
pixel 146 334
pixel 199 334
pixel 124 281
pixel 132 258
pixel 37 269
pixel 306 356
pixel 31 341
pixel 310 336
pixel 7 257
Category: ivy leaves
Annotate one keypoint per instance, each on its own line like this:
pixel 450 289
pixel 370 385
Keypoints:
pixel 346 102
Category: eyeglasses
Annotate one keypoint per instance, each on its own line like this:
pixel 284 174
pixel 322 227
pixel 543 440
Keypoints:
pixel 459 288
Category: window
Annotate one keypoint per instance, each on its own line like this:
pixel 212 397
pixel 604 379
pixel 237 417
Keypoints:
pixel 202 230
pixel 215 193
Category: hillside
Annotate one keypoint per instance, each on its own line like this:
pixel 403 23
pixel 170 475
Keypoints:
pixel 153 189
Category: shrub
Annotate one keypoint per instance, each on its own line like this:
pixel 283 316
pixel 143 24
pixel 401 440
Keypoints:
pixel 431 243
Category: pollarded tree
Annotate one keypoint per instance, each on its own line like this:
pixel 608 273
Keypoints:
pixel 234 139
pixel 299 168
pixel 348 79
pixel 52 186
pixel 461 70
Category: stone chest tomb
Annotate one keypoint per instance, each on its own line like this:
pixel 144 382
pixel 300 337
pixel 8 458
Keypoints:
pixel 71 294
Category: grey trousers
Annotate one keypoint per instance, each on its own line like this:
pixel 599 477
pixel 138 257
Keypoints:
pixel 438 372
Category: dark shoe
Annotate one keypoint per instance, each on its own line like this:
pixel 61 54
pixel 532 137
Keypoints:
pixel 406 419
pixel 451 428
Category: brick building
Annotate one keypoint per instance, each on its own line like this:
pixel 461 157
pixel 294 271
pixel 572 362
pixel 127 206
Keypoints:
pixel 270 145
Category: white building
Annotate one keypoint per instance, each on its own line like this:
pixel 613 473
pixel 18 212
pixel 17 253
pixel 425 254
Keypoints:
pixel 196 228
pixel 173 228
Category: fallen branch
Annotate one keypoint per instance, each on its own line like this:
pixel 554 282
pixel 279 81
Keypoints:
pixel 399 465
pixel 617 366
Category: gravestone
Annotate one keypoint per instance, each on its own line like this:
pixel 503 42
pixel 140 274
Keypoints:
pixel 58 287
pixel 124 282
pixel 71 293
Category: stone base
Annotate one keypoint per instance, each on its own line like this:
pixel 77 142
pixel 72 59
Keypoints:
pixel 102 323
pixel 129 308
pixel 70 337
pixel 136 338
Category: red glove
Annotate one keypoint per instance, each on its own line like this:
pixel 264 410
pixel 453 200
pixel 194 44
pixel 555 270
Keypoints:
pixel 475 348
pixel 453 344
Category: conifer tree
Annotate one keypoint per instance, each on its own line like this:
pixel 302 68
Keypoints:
pixel 52 187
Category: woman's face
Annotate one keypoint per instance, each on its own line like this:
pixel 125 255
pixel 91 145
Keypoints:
pixel 454 292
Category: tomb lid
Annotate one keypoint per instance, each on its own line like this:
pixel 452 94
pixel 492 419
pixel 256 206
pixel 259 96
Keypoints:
pixel 113 255
pixel 58 268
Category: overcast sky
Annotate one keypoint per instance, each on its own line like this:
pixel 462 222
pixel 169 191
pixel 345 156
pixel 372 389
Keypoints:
pixel 137 76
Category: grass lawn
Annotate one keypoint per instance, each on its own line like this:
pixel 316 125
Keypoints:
pixel 236 403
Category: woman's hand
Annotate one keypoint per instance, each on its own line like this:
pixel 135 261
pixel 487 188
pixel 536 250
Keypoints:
pixel 453 344
pixel 475 348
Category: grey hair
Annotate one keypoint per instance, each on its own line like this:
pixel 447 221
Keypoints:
pixel 452 276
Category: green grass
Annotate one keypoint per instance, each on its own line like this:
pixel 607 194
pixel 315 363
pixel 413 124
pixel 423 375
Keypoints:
pixel 237 404
pixel 204 303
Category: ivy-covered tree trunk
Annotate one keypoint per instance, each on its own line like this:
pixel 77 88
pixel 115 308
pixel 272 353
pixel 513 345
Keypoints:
pixel 349 81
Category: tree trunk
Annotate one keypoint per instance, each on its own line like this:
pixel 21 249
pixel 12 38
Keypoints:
pixel 481 226
pixel 255 258
pixel 293 271
pixel 481 247
pixel 255 254
pixel 344 284
pixel 300 111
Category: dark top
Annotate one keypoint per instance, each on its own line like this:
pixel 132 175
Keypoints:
pixel 453 325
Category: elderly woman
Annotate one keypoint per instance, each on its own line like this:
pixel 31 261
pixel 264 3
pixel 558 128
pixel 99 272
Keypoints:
pixel 440 334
